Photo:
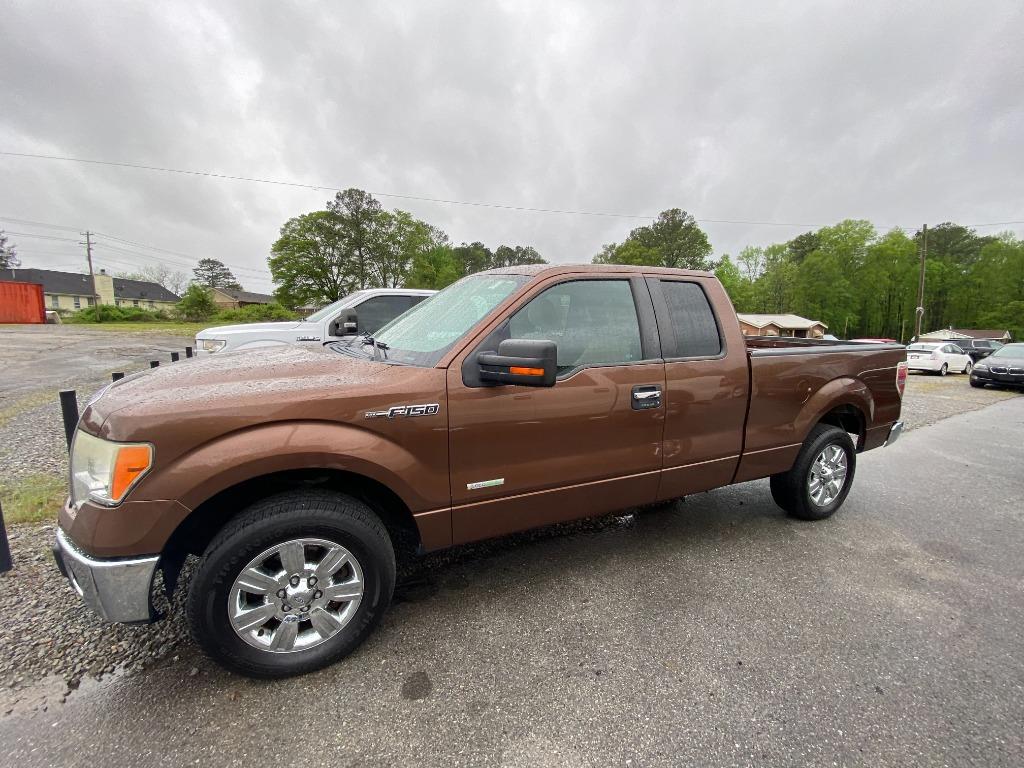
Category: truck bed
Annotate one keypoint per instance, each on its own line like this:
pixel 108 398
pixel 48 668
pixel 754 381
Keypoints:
pixel 850 384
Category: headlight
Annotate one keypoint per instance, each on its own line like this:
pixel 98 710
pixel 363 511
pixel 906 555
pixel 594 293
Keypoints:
pixel 980 367
pixel 210 345
pixel 105 471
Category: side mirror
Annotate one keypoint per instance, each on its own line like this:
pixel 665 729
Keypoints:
pixel 527 362
pixel 347 326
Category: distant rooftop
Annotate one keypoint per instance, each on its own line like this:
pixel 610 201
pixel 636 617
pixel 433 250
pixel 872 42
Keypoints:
pixel 782 321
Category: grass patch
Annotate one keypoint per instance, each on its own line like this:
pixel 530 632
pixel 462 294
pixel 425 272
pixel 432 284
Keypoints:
pixel 34 498
pixel 179 328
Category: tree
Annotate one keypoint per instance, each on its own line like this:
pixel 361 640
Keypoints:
pixel 354 244
pixel 197 304
pixel 311 262
pixel 673 240
pixel 434 269
pixel 8 257
pixel 515 256
pixel 734 283
pixel 173 281
pixel 213 273
pixel 359 218
pixel 399 239
pixel 474 257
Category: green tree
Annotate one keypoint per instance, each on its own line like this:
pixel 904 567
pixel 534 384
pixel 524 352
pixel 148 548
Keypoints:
pixel 515 256
pixel 434 268
pixel 673 240
pixel 8 257
pixel 473 257
pixel 737 286
pixel 399 239
pixel 311 261
pixel 359 218
pixel 213 273
pixel 197 303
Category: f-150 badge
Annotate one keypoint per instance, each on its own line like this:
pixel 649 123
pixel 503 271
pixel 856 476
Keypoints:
pixel 424 409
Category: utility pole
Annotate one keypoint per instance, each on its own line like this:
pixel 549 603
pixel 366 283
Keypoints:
pixel 92 277
pixel 919 312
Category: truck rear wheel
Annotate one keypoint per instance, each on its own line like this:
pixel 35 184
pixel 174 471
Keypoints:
pixel 821 476
pixel 294 583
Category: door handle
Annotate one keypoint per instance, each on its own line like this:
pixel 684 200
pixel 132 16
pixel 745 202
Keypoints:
pixel 646 396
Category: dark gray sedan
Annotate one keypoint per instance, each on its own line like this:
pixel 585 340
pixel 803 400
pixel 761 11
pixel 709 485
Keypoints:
pixel 1004 367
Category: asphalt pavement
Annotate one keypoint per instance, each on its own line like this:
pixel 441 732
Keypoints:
pixel 715 631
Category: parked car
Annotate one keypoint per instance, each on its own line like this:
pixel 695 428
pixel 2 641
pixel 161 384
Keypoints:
pixel 515 398
pixel 875 341
pixel 358 313
pixel 978 349
pixel 938 357
pixel 1004 367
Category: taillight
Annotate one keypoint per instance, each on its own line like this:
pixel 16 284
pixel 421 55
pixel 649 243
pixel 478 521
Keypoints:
pixel 901 378
pixel 934 355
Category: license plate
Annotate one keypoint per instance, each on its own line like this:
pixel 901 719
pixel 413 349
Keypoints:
pixel 914 357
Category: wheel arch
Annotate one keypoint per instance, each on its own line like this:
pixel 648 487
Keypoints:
pixel 197 529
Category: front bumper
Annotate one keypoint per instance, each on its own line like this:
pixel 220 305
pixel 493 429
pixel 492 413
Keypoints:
pixel 117 590
pixel 894 433
pixel 1004 376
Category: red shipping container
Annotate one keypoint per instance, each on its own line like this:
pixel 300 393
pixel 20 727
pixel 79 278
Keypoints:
pixel 22 303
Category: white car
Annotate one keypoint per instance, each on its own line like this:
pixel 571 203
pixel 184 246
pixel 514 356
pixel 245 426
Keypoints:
pixel 938 358
pixel 358 313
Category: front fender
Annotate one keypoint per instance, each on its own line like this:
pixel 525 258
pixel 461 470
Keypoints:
pixel 200 474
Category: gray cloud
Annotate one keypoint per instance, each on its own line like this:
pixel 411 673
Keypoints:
pixel 899 114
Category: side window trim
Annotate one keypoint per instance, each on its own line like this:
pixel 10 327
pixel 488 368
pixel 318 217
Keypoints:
pixel 669 343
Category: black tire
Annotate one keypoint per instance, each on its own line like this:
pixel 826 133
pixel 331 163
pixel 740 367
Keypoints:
pixel 968 368
pixel 790 489
pixel 977 384
pixel 308 513
pixel 944 369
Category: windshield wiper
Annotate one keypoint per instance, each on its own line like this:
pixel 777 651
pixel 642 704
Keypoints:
pixel 368 339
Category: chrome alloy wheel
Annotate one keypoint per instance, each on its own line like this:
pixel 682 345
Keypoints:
pixel 828 475
pixel 295 595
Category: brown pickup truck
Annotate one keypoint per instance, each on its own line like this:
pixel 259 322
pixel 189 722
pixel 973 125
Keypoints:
pixel 514 398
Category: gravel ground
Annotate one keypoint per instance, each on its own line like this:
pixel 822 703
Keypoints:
pixel 63 642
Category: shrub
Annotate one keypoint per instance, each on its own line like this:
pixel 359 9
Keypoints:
pixel 256 313
pixel 197 304
pixel 110 314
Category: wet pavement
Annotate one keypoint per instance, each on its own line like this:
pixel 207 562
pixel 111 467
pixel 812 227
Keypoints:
pixel 715 631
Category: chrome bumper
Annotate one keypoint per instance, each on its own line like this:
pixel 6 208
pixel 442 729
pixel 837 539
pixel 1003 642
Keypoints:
pixel 894 433
pixel 117 590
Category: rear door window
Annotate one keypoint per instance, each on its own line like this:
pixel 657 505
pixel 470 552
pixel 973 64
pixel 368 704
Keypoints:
pixel 693 322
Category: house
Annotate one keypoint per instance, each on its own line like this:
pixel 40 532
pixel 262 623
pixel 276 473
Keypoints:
pixel 781 325
pixel 945 334
pixel 71 291
pixel 229 298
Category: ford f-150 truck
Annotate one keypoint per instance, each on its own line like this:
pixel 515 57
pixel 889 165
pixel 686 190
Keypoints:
pixel 358 313
pixel 514 398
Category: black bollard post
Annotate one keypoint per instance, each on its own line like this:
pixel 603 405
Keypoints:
pixel 117 376
pixel 69 412
pixel 154 363
pixel 175 357
pixel 5 547
pixel 188 351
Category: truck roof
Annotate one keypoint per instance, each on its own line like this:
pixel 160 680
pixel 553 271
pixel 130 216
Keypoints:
pixel 543 269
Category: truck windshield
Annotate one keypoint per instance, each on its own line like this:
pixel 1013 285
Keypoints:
pixel 426 332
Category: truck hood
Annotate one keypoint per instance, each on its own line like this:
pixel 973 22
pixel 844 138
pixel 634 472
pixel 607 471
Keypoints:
pixel 215 394
pixel 220 331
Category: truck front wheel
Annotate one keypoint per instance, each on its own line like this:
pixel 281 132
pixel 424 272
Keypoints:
pixel 821 477
pixel 292 584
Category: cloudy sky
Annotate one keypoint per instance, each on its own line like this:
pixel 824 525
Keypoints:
pixel 799 114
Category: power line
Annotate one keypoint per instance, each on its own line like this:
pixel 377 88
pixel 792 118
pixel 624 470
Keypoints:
pixel 41 237
pixel 439 200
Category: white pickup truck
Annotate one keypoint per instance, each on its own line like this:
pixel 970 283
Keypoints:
pixel 358 313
